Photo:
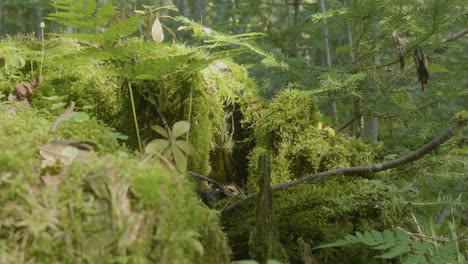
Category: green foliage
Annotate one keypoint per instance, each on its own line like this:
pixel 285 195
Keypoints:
pixel 82 14
pixel 107 209
pixel 300 144
pixel 399 244
pixel 325 211
pixel 170 147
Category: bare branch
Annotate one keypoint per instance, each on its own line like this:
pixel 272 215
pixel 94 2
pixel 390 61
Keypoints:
pixel 203 178
pixel 451 132
pixel 64 117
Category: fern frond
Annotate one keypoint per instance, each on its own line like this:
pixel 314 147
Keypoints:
pixel 81 14
pixel 216 39
pixel 400 244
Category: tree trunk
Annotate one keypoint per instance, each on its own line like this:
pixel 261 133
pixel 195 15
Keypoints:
pixel 198 10
pixel 1 16
pixel 328 58
pixel 371 128
pixel 264 239
pixel 38 16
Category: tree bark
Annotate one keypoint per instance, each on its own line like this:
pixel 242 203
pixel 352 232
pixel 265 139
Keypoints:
pixel 198 10
pixel 333 106
pixel 264 239
pixel 1 16
pixel 451 132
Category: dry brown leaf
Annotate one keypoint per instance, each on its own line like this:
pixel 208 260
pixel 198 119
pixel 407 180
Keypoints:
pixel 420 61
pixel 62 154
pixel 52 181
pixel 23 91
pixel 157 31
pixel 221 67
pixel 400 47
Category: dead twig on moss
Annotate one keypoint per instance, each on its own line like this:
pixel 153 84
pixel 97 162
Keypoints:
pixel 63 117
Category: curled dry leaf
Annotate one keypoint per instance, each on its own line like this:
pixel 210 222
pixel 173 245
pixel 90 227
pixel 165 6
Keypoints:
pixel 400 47
pixel 232 190
pixel 23 91
pixel 221 67
pixel 420 61
pixel 157 31
pixel 63 154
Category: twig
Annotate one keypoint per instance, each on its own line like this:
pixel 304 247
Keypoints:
pixel 451 132
pixel 63 117
pixel 346 124
pixel 203 178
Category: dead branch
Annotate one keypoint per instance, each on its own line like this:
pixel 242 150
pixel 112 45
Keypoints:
pixel 64 117
pixel 451 132
pixel 203 178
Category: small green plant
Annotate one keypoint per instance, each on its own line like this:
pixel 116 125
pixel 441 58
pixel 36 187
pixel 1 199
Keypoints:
pixel 399 244
pixel 172 147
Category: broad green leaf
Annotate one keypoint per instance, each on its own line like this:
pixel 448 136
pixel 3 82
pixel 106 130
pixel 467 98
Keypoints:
pixel 54 98
pixel 179 158
pixel 120 136
pixel 186 147
pixel 79 117
pixel 17 62
pixel 437 68
pixel 70 152
pixel 180 128
pixel 160 130
pixel 157 146
pixel 58 105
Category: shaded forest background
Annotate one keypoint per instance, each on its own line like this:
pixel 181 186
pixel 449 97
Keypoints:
pixel 366 63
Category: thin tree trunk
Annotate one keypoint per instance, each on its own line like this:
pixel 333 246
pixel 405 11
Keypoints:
pixel 333 106
pixel 357 117
pixel 264 239
pixel 198 10
pixel 1 20
pixel 184 8
pixel 38 15
pixel 371 123
pixel 371 128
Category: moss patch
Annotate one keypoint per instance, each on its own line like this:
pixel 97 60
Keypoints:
pixel 105 209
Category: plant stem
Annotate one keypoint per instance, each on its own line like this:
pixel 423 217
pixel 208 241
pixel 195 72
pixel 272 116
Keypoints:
pixel 42 55
pixel 134 115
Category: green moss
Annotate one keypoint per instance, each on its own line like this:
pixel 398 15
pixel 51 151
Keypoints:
pixel 323 212
pixel 300 144
pixel 108 208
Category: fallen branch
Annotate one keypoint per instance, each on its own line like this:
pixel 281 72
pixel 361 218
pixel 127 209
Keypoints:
pixel 203 178
pixel 451 132
pixel 63 117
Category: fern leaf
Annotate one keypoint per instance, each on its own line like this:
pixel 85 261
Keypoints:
pixel 121 29
pixel 389 240
pixel 81 14
pixel 105 13
pixel 415 258
pixel 373 238
pixel 396 251
pixel 446 253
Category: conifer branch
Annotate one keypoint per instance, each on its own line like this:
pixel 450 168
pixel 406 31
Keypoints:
pixel 451 132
